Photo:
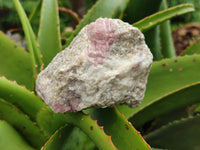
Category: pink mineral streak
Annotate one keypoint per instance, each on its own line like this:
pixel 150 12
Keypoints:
pixel 71 103
pixel 101 35
pixel 61 108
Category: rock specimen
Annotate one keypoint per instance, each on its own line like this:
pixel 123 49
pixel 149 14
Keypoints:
pixel 106 64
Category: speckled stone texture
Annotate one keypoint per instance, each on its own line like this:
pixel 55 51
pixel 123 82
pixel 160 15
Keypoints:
pixel 106 64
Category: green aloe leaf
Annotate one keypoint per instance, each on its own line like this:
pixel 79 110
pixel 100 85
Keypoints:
pixel 167 45
pixel 73 138
pixel 181 134
pixel 123 134
pixel 15 62
pixel 68 138
pixel 57 140
pixel 30 38
pixel 103 8
pixel 193 49
pixel 22 123
pixel 50 122
pixel 177 99
pixel 165 77
pixel 78 140
pixel 118 13
pixel 138 9
pixel 10 139
pixel 49 32
pixel 35 10
pixel 152 39
pixel 155 19
pixel 15 94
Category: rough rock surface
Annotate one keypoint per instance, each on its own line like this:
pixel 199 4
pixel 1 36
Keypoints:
pixel 106 64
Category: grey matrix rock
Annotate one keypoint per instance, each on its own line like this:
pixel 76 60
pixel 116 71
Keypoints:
pixel 106 64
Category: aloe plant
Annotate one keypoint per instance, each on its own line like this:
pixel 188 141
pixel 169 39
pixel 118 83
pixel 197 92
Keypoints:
pixel 27 123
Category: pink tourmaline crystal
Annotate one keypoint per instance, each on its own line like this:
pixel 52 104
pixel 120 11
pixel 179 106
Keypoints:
pixel 101 35
pixel 106 64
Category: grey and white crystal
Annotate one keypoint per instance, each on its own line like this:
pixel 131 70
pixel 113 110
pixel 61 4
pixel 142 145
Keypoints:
pixel 106 64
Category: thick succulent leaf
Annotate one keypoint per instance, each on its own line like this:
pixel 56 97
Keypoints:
pixel 30 38
pixel 118 13
pixel 49 33
pixel 152 38
pixel 75 139
pixel 155 19
pixel 10 139
pixel 20 96
pixel 193 49
pixel 138 9
pixel 50 122
pixel 35 10
pixel 57 139
pixel 103 8
pixel 67 138
pixel 78 140
pixel 177 99
pixel 183 134
pixel 172 116
pixel 166 41
pixel 165 77
pixel 123 134
pixel 21 123
pixel 15 62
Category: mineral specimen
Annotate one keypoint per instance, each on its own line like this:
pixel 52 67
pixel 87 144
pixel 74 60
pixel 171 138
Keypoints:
pixel 106 64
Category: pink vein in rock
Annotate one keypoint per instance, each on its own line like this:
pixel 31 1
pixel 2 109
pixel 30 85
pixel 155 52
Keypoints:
pixel 71 103
pixel 101 35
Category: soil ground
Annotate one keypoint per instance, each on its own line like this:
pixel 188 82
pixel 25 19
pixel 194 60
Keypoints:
pixel 185 35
